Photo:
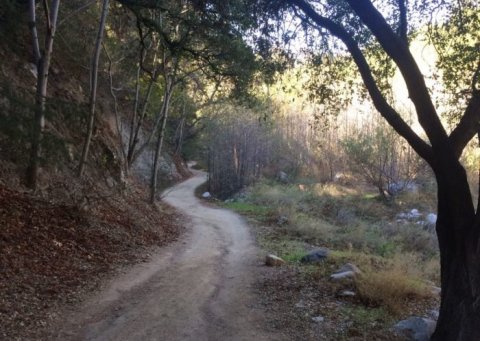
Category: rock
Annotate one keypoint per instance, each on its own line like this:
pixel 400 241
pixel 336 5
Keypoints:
pixel 434 314
pixel 349 267
pixel 347 271
pixel 272 260
pixel 416 328
pixel 283 177
pixel 282 220
pixel 315 256
pixel 206 195
pixel 110 182
pixel 318 319
pixel 300 305
pixel 436 291
pixel 414 214
pixel 431 218
pixel 342 275
pixel 346 293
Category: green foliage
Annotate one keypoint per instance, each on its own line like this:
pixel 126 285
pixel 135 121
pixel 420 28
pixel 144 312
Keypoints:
pixel 249 209
pixel 457 43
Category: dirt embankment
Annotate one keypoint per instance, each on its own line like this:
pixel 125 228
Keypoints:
pixel 52 254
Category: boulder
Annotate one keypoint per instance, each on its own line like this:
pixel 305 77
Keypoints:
pixel 315 256
pixel 206 195
pixel 416 328
pixel 272 260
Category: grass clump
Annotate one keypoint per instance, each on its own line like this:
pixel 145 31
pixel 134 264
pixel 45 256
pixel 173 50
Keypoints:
pixel 390 289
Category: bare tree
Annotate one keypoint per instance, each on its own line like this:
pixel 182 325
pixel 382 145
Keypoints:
pixel 93 87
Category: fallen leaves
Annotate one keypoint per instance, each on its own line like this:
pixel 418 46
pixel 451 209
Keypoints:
pixel 51 254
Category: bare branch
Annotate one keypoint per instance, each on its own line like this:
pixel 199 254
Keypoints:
pixel 33 29
pixel 47 15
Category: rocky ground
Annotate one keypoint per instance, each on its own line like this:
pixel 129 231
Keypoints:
pixel 305 302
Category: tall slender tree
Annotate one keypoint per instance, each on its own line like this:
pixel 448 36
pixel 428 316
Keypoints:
pixel 42 59
pixel 93 86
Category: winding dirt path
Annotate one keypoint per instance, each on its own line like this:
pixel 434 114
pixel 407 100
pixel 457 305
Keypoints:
pixel 198 288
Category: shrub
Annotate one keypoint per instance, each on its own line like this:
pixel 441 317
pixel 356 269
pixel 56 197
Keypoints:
pixel 391 288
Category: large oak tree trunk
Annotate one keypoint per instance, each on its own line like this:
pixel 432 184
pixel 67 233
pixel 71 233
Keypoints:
pixel 458 238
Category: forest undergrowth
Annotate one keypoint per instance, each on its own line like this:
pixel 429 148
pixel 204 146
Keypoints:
pixel 398 258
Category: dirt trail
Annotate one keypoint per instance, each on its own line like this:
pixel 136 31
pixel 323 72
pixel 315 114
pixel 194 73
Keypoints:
pixel 198 288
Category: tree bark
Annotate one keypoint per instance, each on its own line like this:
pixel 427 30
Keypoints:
pixel 93 88
pixel 43 65
pixel 458 238
pixel 158 149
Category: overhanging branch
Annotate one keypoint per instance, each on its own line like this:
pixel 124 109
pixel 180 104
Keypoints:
pixel 379 101
pixel 398 50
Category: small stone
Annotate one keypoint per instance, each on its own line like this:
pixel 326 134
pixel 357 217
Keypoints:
pixel 346 293
pixel 315 256
pixel 431 218
pixel 206 195
pixel 283 177
pixel 272 260
pixel 434 314
pixel 436 291
pixel 349 267
pixel 342 275
pixel 318 319
pixel 300 305
pixel 282 220
pixel 110 182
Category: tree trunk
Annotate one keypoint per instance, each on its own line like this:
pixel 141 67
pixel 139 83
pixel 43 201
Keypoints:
pixel 93 88
pixel 43 66
pixel 458 237
pixel 158 149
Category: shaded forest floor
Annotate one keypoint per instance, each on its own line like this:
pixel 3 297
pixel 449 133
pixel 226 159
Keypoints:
pixel 52 254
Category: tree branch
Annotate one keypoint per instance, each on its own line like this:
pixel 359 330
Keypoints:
pixel 398 50
pixel 33 29
pixel 379 101
pixel 468 126
pixel 403 28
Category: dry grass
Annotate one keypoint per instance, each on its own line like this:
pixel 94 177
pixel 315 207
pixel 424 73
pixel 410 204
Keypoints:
pixel 391 289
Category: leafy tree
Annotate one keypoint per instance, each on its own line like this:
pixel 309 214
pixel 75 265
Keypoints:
pixel 189 38
pixel 361 24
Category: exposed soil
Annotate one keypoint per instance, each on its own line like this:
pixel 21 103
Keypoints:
pixel 51 254
pixel 198 288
